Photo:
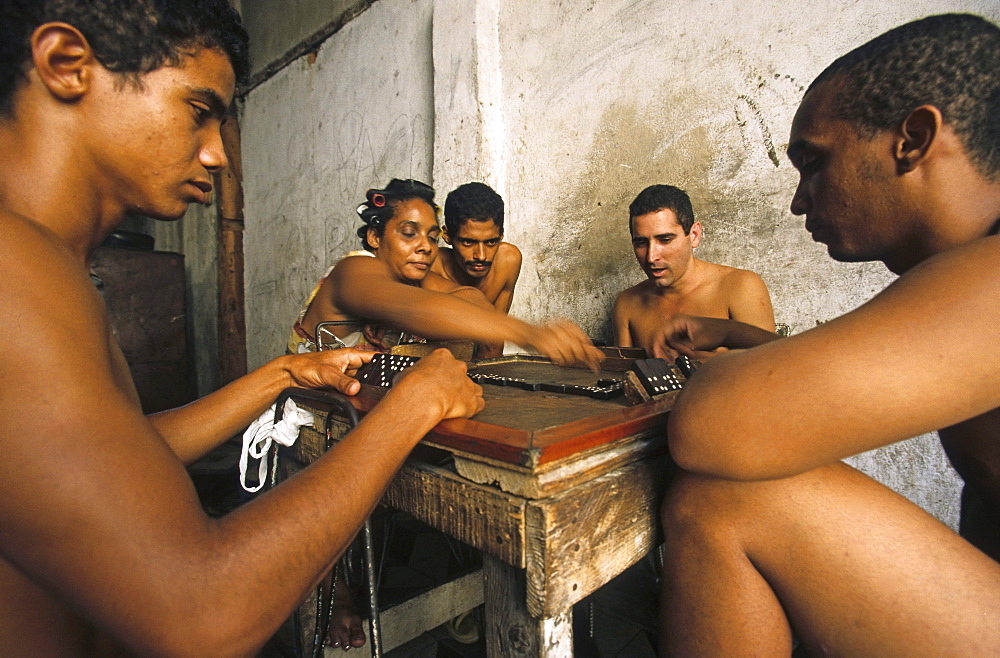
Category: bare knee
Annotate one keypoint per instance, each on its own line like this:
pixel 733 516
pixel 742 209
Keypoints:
pixel 699 509
pixel 693 505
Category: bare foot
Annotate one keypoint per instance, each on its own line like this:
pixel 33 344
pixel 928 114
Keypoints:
pixel 346 629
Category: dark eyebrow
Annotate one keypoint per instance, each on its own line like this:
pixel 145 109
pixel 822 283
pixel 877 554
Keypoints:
pixel 796 149
pixel 216 106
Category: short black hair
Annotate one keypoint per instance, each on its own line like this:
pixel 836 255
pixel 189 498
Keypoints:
pixel 950 61
pixel 475 201
pixel 663 197
pixel 381 205
pixel 127 36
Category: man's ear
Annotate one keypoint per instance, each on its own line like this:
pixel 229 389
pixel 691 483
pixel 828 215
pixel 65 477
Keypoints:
pixel 62 58
pixel 444 234
pixel 373 238
pixel 695 234
pixel 917 135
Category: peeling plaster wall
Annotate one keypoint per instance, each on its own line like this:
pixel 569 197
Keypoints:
pixel 568 109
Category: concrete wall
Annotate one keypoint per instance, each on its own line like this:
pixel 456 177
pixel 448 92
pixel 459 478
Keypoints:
pixel 315 137
pixel 568 109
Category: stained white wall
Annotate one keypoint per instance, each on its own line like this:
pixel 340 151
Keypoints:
pixel 315 137
pixel 569 109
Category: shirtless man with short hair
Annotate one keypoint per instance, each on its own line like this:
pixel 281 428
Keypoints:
pixel 106 108
pixel 664 236
pixel 768 534
pixel 478 256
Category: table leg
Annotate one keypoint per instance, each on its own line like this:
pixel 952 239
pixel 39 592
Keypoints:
pixel 510 630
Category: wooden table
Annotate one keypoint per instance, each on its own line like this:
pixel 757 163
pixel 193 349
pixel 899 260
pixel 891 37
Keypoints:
pixel 559 492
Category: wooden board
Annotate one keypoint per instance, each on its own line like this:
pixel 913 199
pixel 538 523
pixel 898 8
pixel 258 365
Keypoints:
pixel 579 539
pixel 573 452
pixel 534 430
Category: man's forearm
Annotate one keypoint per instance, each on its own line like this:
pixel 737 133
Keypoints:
pixel 740 335
pixel 269 552
pixel 196 428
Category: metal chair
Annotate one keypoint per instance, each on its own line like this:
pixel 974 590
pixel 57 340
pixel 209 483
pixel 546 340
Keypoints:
pixel 340 404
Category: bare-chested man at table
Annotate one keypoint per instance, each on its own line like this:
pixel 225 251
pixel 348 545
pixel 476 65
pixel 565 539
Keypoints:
pixel 108 108
pixel 477 255
pixel 664 236
pixel 768 535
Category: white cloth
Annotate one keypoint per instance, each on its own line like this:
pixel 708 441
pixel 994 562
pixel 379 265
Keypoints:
pixel 263 431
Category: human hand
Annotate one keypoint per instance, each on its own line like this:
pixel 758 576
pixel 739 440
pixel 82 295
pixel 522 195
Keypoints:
pixel 334 368
pixel 440 379
pixel 699 337
pixel 375 335
pixel 566 344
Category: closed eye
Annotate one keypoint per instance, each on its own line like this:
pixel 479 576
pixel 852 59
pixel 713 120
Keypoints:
pixel 201 113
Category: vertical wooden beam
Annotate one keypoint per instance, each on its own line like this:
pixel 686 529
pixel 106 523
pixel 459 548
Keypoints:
pixel 511 631
pixel 232 319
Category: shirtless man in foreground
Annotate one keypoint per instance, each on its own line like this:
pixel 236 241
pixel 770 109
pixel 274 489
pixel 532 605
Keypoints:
pixel 664 236
pixel 478 256
pixel 104 547
pixel 768 534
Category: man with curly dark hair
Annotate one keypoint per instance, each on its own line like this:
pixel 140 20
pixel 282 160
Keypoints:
pixel 477 256
pixel 115 106
pixel 768 535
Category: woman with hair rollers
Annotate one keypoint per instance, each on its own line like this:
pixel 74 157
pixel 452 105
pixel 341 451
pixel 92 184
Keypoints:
pixel 397 289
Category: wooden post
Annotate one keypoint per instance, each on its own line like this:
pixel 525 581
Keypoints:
pixel 232 319
pixel 511 631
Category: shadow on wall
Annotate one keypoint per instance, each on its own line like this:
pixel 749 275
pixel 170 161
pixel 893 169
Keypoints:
pixel 588 260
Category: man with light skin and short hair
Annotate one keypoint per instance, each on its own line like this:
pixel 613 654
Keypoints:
pixel 109 107
pixel 478 256
pixel 768 535
pixel 664 237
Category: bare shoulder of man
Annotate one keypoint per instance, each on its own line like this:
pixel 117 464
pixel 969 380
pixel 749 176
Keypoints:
pixel 622 314
pixel 85 479
pixel 48 301
pixel 440 263
pixel 508 260
pixel 749 299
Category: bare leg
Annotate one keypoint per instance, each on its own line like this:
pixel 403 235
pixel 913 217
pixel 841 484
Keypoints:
pixel 853 567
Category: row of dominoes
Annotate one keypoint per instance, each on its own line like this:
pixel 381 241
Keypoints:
pixel 605 388
pixel 381 370
pixel 657 376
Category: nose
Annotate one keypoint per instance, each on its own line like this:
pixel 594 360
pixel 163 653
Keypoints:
pixel 426 244
pixel 212 155
pixel 653 252
pixel 479 252
pixel 801 202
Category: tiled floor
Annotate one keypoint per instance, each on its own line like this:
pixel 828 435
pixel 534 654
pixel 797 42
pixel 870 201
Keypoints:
pixel 621 617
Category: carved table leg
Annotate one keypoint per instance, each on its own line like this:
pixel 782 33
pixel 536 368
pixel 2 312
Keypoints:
pixel 510 630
